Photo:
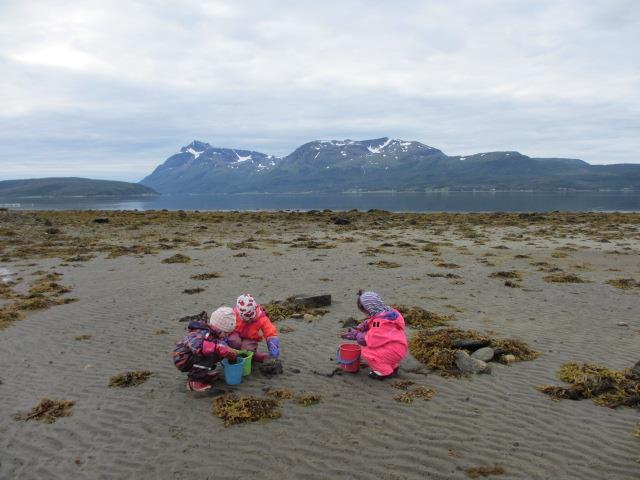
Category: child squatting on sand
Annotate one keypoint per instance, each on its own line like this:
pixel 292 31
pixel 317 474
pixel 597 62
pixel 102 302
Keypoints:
pixel 252 324
pixel 381 335
pixel 203 347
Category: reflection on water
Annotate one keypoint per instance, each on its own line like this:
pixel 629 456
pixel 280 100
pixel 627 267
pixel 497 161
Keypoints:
pixel 400 202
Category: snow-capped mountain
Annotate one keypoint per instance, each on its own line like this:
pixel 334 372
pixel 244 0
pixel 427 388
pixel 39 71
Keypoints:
pixel 200 167
pixel 377 164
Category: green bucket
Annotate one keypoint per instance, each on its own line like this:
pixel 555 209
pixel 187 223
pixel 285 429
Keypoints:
pixel 247 356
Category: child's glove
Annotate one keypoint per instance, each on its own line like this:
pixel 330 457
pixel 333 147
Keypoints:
pixel 362 327
pixel 226 352
pixel 273 344
pixel 350 334
pixel 360 338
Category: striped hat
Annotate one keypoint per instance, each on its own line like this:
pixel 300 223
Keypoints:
pixel 373 303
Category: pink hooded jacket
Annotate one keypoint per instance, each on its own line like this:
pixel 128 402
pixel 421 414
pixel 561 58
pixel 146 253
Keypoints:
pixel 386 341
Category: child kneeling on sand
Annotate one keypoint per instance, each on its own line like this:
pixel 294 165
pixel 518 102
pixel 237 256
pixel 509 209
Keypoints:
pixel 381 335
pixel 252 325
pixel 203 347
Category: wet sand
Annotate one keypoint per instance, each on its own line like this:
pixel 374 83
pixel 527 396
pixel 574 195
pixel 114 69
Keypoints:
pixel 358 430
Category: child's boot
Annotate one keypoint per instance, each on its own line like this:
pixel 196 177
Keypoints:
pixel 198 386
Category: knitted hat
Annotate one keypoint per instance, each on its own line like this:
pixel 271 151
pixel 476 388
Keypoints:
pixel 223 319
pixel 246 306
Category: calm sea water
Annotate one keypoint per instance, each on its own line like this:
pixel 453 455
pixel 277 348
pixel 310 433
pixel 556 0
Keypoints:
pixel 401 202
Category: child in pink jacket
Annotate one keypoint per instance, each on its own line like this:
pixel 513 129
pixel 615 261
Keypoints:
pixel 384 343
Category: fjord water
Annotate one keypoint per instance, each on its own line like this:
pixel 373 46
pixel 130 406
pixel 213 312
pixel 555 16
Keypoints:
pixel 399 202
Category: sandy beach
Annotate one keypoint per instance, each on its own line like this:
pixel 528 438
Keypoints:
pixel 129 302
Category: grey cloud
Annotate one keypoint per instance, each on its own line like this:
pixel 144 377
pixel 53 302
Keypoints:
pixel 120 87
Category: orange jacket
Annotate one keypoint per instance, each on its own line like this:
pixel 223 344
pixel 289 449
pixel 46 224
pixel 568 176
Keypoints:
pixel 251 330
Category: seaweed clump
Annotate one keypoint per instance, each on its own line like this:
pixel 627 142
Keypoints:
pixel 563 278
pixel 511 274
pixel 517 348
pixel 385 264
pixel 48 411
pixel 476 472
pixel 624 283
pixel 206 276
pixel 418 317
pixel 129 379
pixel 437 348
pixel 45 292
pixel 280 393
pixel 234 409
pixel 177 258
pixel 410 395
pixel 198 317
pixel 280 310
pixel 308 399
pixel 193 291
pixel 607 388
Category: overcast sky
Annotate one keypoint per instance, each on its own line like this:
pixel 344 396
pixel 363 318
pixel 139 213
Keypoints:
pixel 110 89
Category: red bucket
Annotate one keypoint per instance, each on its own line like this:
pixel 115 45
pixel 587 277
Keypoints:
pixel 348 357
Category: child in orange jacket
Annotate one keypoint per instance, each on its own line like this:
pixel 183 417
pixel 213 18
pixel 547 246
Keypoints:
pixel 252 325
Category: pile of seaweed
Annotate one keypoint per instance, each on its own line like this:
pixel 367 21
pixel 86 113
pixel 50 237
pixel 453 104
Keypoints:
pixel 418 317
pixel 607 388
pixel 234 409
pixel 303 398
pixel 437 348
pixel 177 258
pixel 129 379
pixel 198 317
pixel 308 399
pixel 44 293
pixel 411 392
pixel 476 472
pixel 281 310
pixel 48 410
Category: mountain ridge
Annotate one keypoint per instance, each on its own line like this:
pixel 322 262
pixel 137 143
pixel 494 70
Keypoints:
pixel 376 164
pixel 70 187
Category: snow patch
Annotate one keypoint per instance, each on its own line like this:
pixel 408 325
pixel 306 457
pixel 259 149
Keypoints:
pixel 379 147
pixel 194 153
pixel 241 159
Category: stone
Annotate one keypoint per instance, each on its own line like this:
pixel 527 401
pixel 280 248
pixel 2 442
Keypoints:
pixel 411 365
pixel 508 358
pixel 623 324
pixel 313 301
pixel 340 221
pixel 485 354
pixel 101 220
pixel 471 344
pixel 467 364
pixel 308 317
pixel 636 369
